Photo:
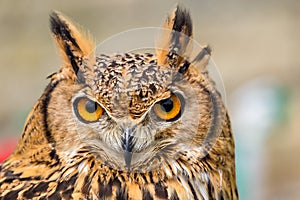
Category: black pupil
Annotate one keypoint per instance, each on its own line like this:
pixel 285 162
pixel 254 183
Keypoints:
pixel 167 105
pixel 90 106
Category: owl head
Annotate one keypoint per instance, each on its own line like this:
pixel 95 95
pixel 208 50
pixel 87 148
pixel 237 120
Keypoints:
pixel 133 111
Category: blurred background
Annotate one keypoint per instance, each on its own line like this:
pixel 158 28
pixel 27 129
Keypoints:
pixel 256 45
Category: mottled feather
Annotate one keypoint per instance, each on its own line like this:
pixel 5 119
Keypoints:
pixel 128 152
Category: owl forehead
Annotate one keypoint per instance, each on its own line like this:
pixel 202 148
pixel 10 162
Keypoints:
pixel 128 84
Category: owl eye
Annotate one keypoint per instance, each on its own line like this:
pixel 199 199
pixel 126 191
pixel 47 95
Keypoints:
pixel 169 109
pixel 87 110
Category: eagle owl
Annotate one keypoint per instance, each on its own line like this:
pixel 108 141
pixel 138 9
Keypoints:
pixel 125 125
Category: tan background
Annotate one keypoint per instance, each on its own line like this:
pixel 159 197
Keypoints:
pixel 252 40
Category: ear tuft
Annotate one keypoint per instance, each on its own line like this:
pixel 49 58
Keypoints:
pixel 74 44
pixel 173 44
pixel 180 21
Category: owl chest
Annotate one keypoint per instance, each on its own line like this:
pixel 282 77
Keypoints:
pixel 142 187
pixel 110 185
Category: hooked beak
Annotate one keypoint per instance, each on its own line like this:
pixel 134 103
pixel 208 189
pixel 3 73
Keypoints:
pixel 128 146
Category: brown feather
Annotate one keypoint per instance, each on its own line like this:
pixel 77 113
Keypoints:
pixel 61 156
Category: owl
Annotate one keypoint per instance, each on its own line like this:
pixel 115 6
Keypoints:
pixel 148 125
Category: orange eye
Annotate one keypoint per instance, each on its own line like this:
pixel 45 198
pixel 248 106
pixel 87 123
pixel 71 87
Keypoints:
pixel 169 109
pixel 87 110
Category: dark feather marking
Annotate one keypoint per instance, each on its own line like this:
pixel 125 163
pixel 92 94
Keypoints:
pixel 83 151
pixel 12 195
pixel 50 76
pixel 30 178
pixel 121 194
pixel 174 196
pixel 220 196
pixel 161 191
pixel 182 19
pixel 210 188
pixel 152 88
pixel 146 194
pixel 10 176
pixel 92 164
pixel 104 190
pixel 67 194
pixel 193 190
pixel 29 194
pixel 43 162
pixel 41 187
pixel 61 29
pixel 10 173
pixel 11 179
pixel 54 196
pixel 150 176
pixel 114 63
pixel 86 185
pixel 73 62
pixel 236 192
pixel 36 190
pixel 45 103
pixel 65 184
pixel 53 155
pixel 182 69
pixel 116 183
pixel 62 186
pixel 143 177
pixel 67 188
pixel 205 51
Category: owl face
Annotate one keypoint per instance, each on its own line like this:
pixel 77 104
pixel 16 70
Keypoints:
pixel 129 108
pixel 132 112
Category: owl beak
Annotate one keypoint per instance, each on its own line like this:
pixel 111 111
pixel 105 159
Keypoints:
pixel 127 157
pixel 128 146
